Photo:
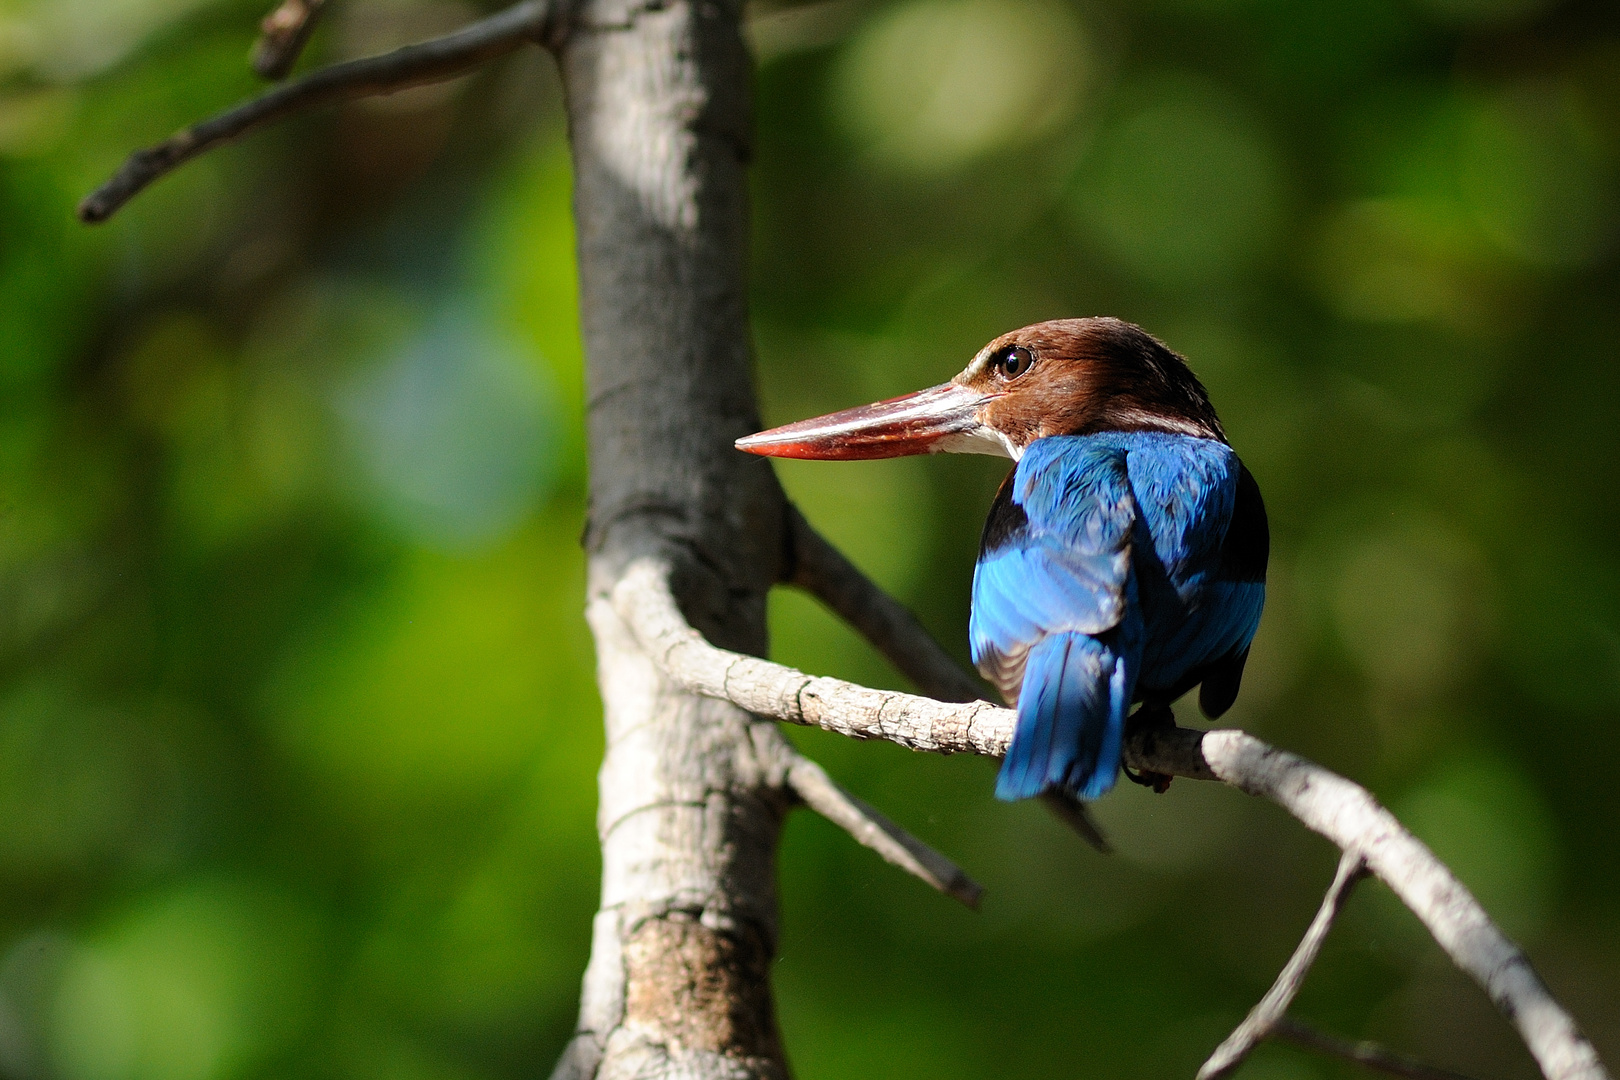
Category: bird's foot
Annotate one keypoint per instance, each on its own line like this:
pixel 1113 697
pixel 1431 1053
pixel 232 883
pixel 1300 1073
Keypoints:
pixel 1154 717
pixel 1158 781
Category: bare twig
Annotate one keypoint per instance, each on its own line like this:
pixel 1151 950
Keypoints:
pixel 1348 815
pixel 414 65
pixel 1270 1009
pixel 1370 1054
pixel 282 36
pixel 822 570
pixel 1323 801
pixel 870 827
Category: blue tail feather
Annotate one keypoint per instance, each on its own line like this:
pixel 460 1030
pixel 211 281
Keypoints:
pixel 1071 719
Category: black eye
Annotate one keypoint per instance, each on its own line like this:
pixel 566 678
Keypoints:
pixel 1014 362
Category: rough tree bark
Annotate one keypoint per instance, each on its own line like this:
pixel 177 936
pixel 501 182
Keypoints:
pixel 693 790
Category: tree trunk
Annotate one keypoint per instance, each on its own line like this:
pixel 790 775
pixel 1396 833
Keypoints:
pixel 692 789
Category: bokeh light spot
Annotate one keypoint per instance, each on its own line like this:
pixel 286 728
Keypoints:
pixel 933 84
pixel 196 984
pixel 1409 260
pixel 1533 177
pixel 1410 604
pixel 454 431
pixel 72 39
pixel 1185 186
pixel 1486 821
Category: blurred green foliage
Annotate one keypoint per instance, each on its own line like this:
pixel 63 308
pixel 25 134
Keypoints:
pixel 298 731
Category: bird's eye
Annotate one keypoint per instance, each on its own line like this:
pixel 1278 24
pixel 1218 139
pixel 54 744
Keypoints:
pixel 1014 362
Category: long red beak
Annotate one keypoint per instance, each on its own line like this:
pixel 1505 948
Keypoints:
pixel 921 423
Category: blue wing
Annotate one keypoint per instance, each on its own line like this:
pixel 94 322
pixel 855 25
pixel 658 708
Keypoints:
pixel 1203 585
pixel 1052 623
pixel 1113 569
pixel 1185 489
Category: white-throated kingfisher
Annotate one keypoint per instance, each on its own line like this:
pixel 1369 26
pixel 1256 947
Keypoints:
pixel 1124 558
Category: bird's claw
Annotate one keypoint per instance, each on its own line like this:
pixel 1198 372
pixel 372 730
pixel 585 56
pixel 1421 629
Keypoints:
pixel 1149 718
pixel 1159 782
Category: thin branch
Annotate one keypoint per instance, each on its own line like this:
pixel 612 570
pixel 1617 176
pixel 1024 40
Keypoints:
pixel 1264 1017
pixel 414 65
pixel 822 570
pixel 1370 1054
pixel 282 36
pixel 1323 801
pixel 1348 815
pixel 871 828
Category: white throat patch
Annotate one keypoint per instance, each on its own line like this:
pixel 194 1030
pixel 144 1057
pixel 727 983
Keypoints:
pixel 980 440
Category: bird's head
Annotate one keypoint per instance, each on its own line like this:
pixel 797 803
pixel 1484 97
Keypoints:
pixel 1064 377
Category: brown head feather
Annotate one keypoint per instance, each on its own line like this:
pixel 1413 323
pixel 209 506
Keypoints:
pixel 1089 375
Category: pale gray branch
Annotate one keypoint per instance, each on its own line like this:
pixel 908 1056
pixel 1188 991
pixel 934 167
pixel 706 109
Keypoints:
pixel 1270 1009
pixel 1347 814
pixel 1323 801
pixel 1370 1054
pixel 282 36
pixel 414 65
pixel 871 828
pixel 643 599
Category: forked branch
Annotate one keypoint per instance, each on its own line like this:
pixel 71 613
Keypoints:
pixel 414 65
pixel 1371 1055
pixel 1323 801
pixel 282 36
pixel 1265 1016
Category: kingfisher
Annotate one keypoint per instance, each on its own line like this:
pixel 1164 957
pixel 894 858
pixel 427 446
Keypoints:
pixel 1123 560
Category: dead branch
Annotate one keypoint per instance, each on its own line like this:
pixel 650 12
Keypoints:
pixel 1323 801
pixel 431 61
pixel 1263 1018
pixel 282 36
pixel 768 689
pixel 871 828
pixel 1370 1054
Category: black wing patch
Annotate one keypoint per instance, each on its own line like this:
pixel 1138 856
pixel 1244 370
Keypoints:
pixel 1247 547
pixel 1006 521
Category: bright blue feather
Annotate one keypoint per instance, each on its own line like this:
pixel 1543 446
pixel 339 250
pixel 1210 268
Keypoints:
pixel 1101 582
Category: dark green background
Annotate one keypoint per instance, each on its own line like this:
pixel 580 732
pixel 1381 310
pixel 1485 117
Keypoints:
pixel 298 731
